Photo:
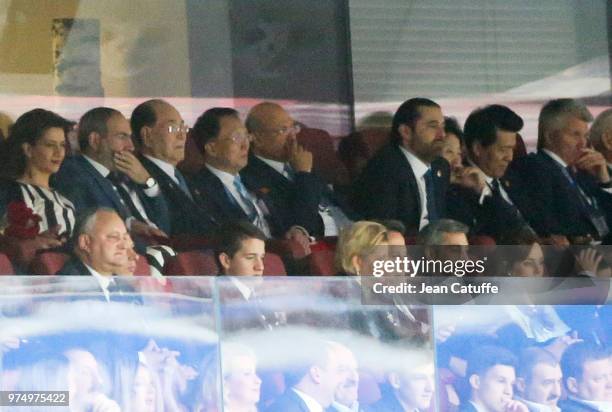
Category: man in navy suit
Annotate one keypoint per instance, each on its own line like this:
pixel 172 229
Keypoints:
pixel 108 174
pixel 587 376
pixel 568 183
pixel 159 134
pixel 491 375
pixel 314 383
pixel 282 170
pixel 489 203
pixel 406 180
pixel 220 135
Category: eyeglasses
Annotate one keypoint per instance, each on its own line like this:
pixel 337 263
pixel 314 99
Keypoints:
pixel 175 128
pixel 286 130
pixel 241 137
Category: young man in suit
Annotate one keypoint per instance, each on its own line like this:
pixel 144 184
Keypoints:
pixel 315 382
pixel 569 184
pixel 108 174
pixel 406 180
pixel 220 135
pixel 280 168
pixel 159 134
pixel 587 377
pixel 491 375
pixel 489 203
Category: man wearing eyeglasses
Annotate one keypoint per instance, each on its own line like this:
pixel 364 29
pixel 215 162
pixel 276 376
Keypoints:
pixel 281 168
pixel 160 134
pixel 221 136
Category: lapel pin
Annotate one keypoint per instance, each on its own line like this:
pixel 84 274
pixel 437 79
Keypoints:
pixel 439 173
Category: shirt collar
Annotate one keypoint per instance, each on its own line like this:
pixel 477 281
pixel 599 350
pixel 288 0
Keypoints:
pixel 419 168
pixel 103 281
pixel 311 403
pixel 274 164
pixel 555 157
pixel 244 290
pixel 226 178
pixel 163 165
pixel 477 407
pixel 100 168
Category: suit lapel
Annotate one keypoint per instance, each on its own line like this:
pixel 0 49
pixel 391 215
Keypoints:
pixel 223 201
pixel 407 175
pixel 105 186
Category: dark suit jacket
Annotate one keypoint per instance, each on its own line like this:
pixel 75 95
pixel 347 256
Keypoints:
pixel 494 217
pixel 294 203
pixel 74 267
pixel 288 402
pixel 387 188
pixel 186 217
pixel 556 206
pixel 208 191
pixel 80 182
pixel 570 405
pixel 387 403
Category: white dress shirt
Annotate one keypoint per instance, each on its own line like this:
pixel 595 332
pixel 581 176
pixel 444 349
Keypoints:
pixel 228 182
pixel 166 167
pixel 149 192
pixel 419 168
pixel 103 281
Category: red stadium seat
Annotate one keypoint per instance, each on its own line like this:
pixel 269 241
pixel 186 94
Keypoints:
pixel 273 265
pixel 192 263
pixel 325 159
pixel 6 267
pixel 142 267
pixel 321 262
pixel 48 263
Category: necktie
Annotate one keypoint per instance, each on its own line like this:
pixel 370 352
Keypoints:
pixel 246 198
pixel 588 206
pixel 288 172
pixel 432 207
pixel 118 180
pixel 182 183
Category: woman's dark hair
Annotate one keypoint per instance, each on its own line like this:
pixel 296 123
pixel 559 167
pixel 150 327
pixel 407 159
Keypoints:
pixel 29 128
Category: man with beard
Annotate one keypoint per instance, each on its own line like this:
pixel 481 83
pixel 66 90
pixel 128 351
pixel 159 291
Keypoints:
pixel 406 180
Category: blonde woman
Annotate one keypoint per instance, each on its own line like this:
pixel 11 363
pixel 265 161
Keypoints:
pixel 359 245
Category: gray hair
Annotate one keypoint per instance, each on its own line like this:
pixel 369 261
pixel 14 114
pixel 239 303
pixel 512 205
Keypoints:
pixel 555 114
pixel 602 123
pixel 433 233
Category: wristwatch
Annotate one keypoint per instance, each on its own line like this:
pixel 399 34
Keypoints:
pixel 149 183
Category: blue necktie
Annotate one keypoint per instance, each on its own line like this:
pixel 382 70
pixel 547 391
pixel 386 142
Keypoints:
pixel 595 215
pixel 182 183
pixel 432 207
pixel 288 172
pixel 246 198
